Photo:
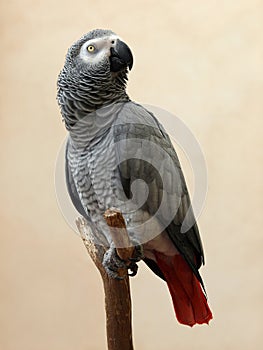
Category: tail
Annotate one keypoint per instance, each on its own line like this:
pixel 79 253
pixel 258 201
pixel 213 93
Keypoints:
pixel 189 301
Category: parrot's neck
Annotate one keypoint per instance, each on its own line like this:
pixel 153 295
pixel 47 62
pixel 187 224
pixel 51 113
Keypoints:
pixel 94 125
pixel 80 98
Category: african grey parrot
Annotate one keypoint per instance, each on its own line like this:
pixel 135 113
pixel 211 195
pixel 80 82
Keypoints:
pixel 119 155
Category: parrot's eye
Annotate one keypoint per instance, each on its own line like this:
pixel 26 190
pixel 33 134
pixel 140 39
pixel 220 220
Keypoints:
pixel 91 48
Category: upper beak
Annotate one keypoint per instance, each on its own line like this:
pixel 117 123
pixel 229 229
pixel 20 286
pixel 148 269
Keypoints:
pixel 120 57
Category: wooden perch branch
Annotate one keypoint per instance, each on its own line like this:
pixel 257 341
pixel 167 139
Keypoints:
pixel 117 292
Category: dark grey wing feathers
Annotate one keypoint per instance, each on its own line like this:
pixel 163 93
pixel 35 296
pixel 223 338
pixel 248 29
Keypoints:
pixel 135 122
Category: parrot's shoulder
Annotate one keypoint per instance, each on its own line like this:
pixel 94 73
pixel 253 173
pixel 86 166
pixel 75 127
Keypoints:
pixel 134 112
pixel 134 120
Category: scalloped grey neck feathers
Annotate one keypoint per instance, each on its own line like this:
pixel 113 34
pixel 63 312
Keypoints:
pixel 83 89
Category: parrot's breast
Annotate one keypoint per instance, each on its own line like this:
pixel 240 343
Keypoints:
pixel 93 169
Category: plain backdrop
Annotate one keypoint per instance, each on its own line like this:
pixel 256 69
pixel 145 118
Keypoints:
pixel 201 60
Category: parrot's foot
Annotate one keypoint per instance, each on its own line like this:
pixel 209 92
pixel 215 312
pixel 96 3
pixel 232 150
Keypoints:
pixel 112 263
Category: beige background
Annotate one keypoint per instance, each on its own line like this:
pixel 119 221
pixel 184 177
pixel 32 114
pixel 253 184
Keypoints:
pixel 201 60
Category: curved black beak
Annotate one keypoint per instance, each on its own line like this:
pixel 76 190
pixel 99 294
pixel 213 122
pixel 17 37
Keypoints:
pixel 120 57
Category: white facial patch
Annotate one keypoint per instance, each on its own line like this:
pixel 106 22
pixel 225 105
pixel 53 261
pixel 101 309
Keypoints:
pixel 101 50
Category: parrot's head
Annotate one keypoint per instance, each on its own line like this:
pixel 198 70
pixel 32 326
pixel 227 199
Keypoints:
pixel 94 74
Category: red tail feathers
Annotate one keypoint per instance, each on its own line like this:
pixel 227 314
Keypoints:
pixel 189 302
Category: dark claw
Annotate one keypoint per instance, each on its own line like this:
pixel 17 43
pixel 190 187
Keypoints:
pixel 134 269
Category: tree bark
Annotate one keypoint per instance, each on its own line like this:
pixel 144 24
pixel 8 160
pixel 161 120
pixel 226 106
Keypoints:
pixel 117 292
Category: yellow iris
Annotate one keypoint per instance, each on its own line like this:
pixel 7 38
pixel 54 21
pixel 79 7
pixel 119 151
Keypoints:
pixel 90 48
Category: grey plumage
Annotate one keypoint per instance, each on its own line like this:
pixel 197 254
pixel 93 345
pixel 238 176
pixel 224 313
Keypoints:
pixel 114 142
